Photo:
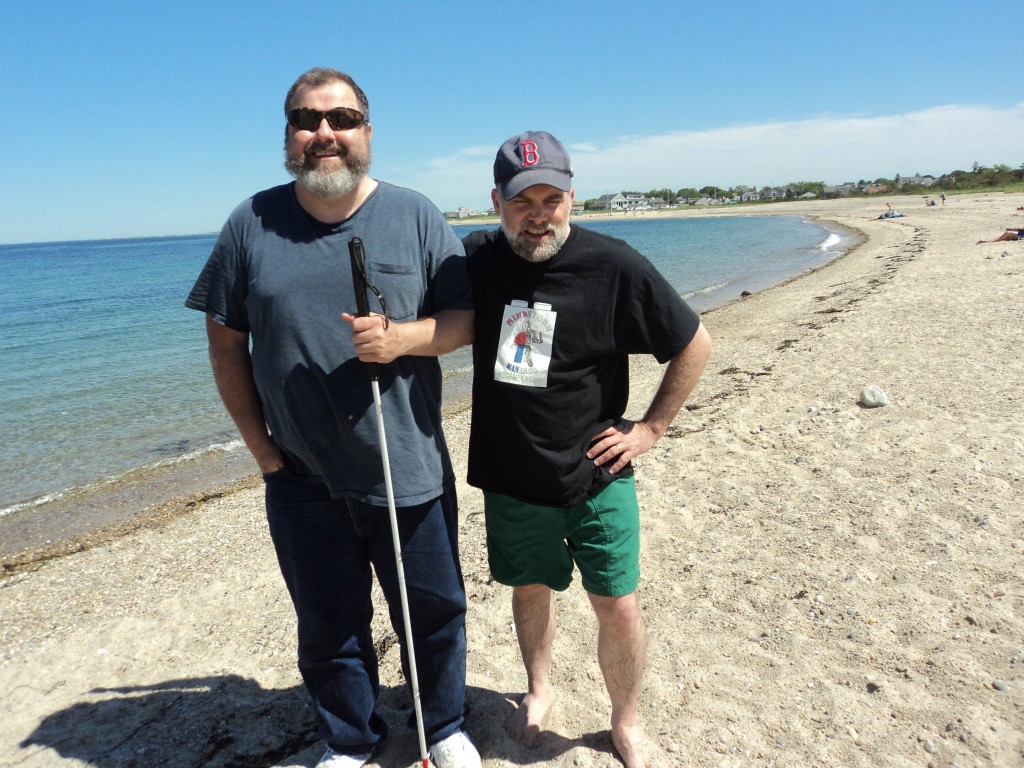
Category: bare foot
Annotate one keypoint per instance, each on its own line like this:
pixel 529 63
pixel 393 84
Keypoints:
pixel 526 721
pixel 635 749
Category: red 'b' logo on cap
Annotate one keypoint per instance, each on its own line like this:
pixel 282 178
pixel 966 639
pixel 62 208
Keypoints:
pixel 530 154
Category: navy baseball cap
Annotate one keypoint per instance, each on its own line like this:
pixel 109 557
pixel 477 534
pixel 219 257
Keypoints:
pixel 534 157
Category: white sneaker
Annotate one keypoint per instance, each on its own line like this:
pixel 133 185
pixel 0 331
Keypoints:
pixel 457 751
pixel 332 759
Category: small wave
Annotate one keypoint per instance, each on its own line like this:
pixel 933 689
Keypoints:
pixel 36 502
pixel 229 446
pixel 706 289
pixel 828 242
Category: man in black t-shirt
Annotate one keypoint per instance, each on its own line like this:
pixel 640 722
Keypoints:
pixel 559 310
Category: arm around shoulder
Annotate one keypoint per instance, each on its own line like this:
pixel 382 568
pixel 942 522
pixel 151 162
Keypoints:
pixel 441 333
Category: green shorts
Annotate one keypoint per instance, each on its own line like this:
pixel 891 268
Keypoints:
pixel 537 544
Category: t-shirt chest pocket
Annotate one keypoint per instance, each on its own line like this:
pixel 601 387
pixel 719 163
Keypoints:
pixel 402 287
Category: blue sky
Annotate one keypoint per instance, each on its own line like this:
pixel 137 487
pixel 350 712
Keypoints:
pixel 136 119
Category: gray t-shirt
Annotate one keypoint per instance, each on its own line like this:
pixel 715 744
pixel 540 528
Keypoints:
pixel 285 278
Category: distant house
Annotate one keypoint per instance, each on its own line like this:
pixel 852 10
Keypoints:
pixel 577 206
pixel 924 181
pixel 657 202
pixel 807 196
pixel 462 213
pixel 620 202
pixel 750 195
pixel 838 190
pixel 610 202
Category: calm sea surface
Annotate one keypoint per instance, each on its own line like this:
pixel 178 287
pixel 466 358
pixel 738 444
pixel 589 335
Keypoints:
pixel 106 396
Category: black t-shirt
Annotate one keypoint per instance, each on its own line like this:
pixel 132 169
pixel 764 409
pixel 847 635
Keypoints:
pixel 551 358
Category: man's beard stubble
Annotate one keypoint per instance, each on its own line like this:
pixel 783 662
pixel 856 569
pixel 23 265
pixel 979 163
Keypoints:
pixel 537 253
pixel 325 182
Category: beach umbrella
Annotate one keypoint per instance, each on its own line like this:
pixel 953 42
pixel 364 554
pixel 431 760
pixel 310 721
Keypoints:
pixel 355 250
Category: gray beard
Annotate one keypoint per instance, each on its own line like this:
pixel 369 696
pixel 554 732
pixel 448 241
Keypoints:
pixel 536 253
pixel 325 183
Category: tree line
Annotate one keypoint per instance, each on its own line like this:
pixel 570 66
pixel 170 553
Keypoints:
pixel 978 177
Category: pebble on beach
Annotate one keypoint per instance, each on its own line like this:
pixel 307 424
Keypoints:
pixel 873 397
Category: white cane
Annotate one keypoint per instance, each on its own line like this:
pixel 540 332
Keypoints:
pixel 355 249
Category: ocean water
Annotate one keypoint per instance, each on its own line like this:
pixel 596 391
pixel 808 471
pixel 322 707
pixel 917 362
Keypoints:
pixel 104 379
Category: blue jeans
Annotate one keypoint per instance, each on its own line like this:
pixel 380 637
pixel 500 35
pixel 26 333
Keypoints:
pixel 326 548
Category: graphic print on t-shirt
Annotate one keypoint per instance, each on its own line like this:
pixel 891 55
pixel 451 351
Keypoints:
pixel 524 344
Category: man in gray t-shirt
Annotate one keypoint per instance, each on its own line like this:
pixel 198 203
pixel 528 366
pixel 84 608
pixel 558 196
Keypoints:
pixel 279 279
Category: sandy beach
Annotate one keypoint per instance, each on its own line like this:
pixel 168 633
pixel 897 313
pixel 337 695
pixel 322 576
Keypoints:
pixel 824 584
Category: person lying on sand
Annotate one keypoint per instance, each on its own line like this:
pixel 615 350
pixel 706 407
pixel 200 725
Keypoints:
pixel 1011 233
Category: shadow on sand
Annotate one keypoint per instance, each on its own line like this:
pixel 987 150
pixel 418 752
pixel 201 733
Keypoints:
pixel 231 721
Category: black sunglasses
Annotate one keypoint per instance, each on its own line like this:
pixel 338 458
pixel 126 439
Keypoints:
pixel 339 118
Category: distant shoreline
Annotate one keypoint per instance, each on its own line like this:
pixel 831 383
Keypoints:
pixel 774 208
